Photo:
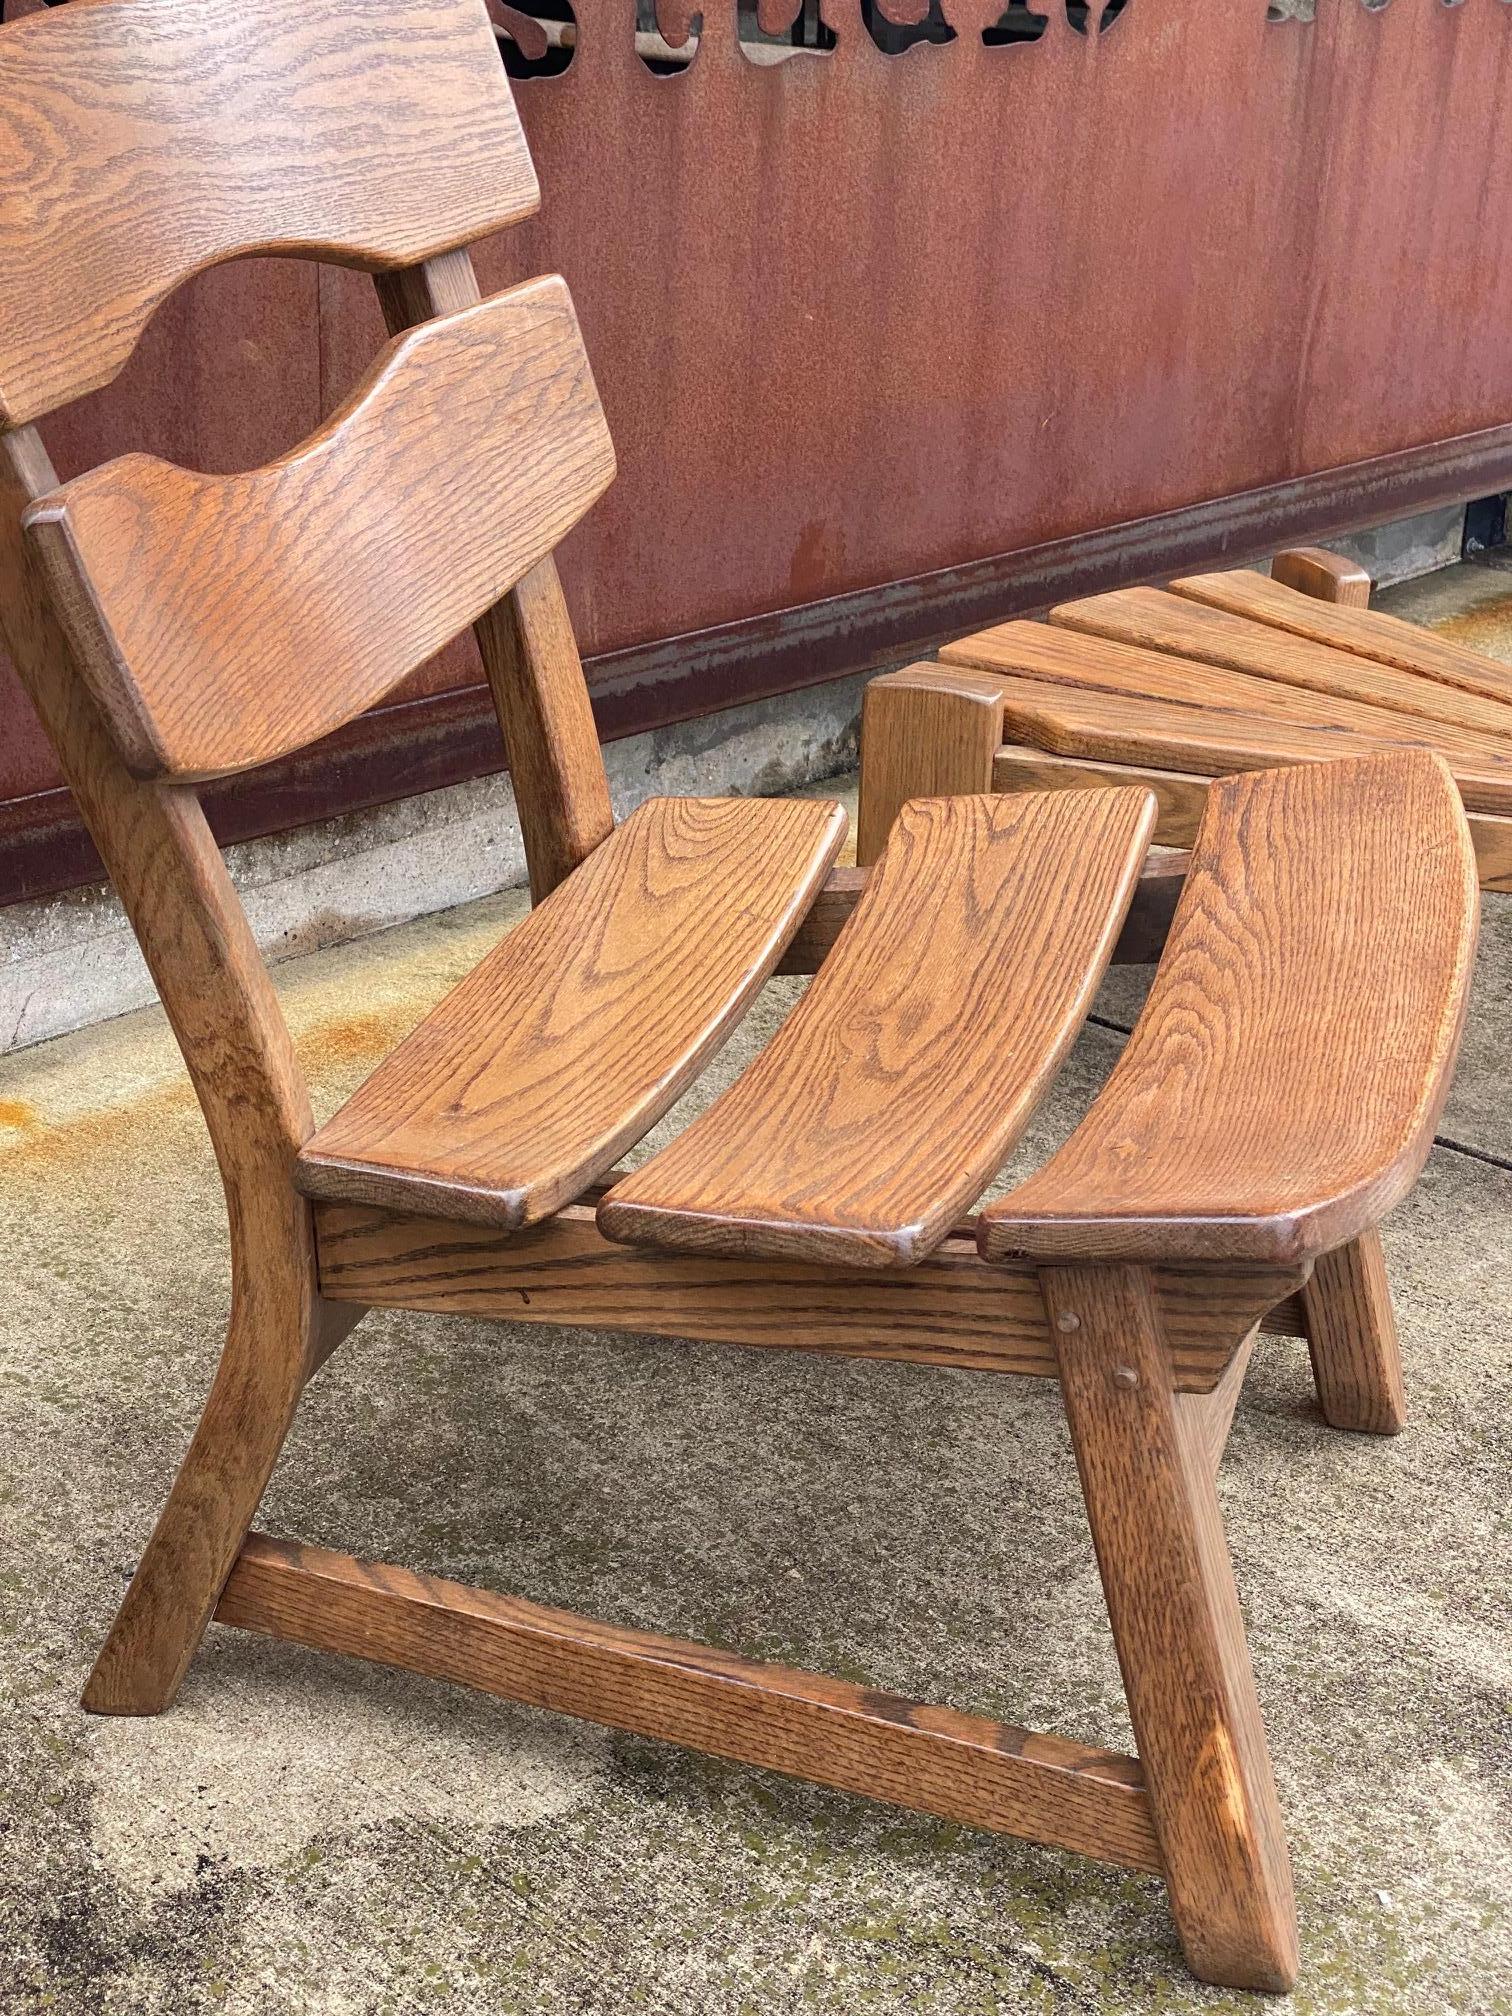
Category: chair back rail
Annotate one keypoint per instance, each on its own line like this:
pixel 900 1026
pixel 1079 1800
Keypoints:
pixel 222 621
pixel 148 139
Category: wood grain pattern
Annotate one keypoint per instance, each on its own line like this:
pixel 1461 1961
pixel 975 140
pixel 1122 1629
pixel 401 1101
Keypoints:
pixel 1277 1097
pixel 1182 795
pixel 1147 1476
pixel 927 731
pixel 1313 570
pixel 898 1086
pixel 1352 1337
pixel 580 1029
pixel 1208 1417
pixel 147 139
pixel 199 947
pixel 226 620
pixel 1153 620
pixel 953 1309
pixel 1363 633
pixel 832 1732
pixel 1213 740
pixel 1077 658
pixel 529 653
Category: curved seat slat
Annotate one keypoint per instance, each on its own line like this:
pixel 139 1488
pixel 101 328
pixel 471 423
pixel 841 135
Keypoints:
pixel 896 1089
pixel 1281 1087
pixel 148 139
pixel 222 621
pixel 576 1034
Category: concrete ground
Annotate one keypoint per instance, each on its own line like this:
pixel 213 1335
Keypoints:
pixel 303 1834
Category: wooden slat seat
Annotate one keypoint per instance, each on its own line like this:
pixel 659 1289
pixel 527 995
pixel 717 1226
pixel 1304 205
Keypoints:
pixel 579 1030
pixel 1063 657
pixel 1281 1087
pixel 1215 740
pixel 1207 635
pixel 887 1101
pixel 1364 633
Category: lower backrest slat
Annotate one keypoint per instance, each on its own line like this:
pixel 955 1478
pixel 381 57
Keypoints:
pixel 222 621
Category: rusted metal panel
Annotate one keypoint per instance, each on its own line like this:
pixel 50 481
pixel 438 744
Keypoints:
pixel 891 342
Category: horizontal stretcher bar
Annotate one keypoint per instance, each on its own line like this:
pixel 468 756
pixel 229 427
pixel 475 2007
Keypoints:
pixel 831 1732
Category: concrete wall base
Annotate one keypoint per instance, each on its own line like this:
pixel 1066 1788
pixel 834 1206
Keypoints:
pixel 70 960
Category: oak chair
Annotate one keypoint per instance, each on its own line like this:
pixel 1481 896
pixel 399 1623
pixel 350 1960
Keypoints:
pixel 1274 1102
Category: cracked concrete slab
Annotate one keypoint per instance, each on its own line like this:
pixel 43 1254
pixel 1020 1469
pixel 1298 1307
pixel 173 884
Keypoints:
pixel 305 1835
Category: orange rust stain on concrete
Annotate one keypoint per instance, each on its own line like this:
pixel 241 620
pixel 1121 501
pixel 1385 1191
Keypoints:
pixel 18 1114
pixel 1488 628
pixel 102 1138
pixel 348 1038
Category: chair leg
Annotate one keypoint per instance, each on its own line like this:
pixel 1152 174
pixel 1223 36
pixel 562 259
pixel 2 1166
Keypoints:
pixel 1352 1337
pixel 276 1335
pixel 928 731
pixel 1147 1477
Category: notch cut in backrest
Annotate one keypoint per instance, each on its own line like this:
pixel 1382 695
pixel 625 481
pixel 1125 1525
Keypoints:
pixel 221 621
pixel 144 140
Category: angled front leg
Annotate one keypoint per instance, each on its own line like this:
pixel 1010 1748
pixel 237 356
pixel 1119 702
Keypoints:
pixel 278 1333
pixel 199 946
pixel 1147 1477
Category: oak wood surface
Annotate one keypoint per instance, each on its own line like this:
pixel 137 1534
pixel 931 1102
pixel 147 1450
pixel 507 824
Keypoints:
pixel 1147 1477
pixel 226 620
pixel 199 948
pixel 147 139
pixel 1363 633
pixel 1208 1417
pixel 953 1309
pixel 1182 798
pixel 927 731
pixel 577 1032
pixel 1214 740
pixel 898 1086
pixel 529 653
pixel 1313 570
pixel 1352 1338
pixel 1154 620
pixel 833 1732
pixel 1080 659
pixel 1281 1087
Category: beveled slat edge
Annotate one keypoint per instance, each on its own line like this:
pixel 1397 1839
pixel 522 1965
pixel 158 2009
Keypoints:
pixel 468 1198
pixel 830 1732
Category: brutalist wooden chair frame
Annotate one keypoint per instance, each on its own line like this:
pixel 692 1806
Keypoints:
pixel 171 627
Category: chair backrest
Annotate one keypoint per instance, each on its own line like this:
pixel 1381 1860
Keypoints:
pixel 221 622
pixel 169 626
pixel 147 139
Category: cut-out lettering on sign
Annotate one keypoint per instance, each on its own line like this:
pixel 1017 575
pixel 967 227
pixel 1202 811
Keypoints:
pixel 539 39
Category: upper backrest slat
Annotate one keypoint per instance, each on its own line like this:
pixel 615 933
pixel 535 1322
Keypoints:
pixel 221 621
pixel 143 140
